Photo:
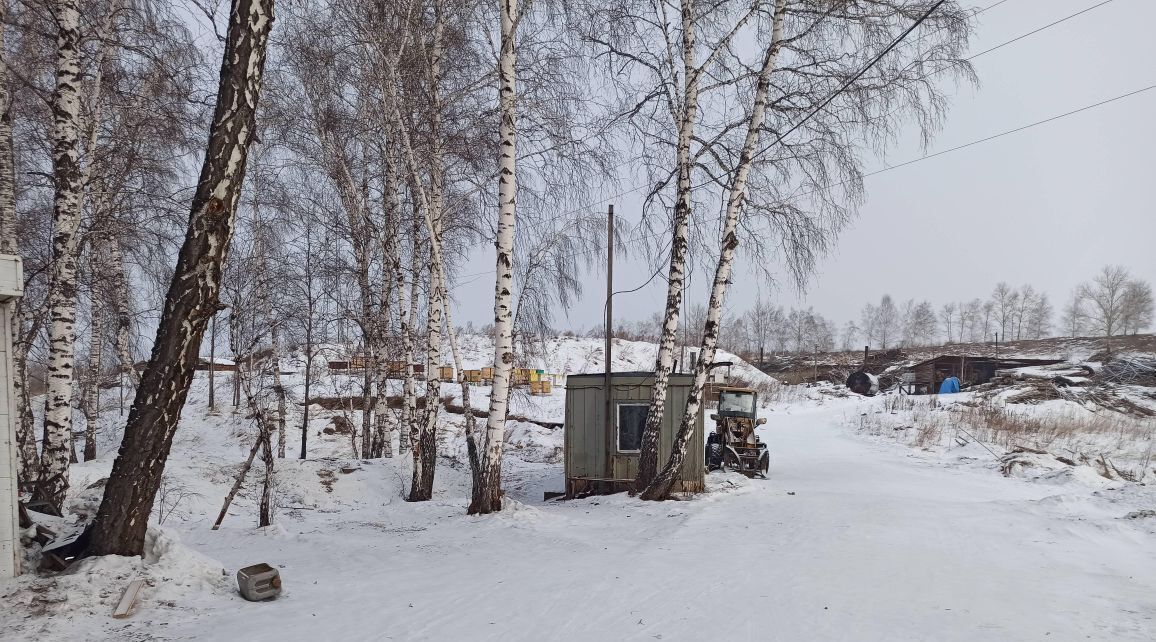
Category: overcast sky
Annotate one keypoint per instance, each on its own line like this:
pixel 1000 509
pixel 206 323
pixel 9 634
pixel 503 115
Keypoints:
pixel 1048 206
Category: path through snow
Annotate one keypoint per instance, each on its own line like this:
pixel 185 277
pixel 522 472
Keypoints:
pixel 873 544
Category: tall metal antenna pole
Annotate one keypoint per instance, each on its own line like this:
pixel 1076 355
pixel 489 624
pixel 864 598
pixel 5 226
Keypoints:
pixel 213 366
pixel 609 322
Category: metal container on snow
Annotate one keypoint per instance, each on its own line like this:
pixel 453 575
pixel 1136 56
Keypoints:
pixel 259 582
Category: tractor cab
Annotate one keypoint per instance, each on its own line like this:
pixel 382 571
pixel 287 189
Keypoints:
pixel 734 445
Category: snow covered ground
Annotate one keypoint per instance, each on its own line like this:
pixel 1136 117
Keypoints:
pixel 853 537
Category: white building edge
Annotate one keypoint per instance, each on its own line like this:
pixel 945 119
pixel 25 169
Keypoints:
pixel 11 289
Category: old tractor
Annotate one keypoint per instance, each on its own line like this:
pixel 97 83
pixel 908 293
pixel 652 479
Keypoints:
pixel 734 445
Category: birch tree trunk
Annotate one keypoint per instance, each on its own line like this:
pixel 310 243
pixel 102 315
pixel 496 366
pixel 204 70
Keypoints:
pixel 431 206
pixel 265 517
pixel 192 298
pixel 660 487
pixel 278 388
pixel 467 406
pixel 265 294
pixel 489 498
pixel 275 348
pixel 91 402
pixel 31 322
pixel 664 362
pixel 409 413
pixel 118 290
pixel 238 481
pixel 235 348
pixel 425 446
pixel 53 484
pixel 393 285
pixel 29 464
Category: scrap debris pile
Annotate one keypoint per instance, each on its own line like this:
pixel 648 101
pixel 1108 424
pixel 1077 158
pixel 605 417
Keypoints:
pixel 1136 370
pixel 1101 386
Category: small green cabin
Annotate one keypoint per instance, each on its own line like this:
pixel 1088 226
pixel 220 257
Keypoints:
pixel 604 459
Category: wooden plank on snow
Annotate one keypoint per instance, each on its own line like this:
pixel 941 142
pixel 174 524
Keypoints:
pixel 128 600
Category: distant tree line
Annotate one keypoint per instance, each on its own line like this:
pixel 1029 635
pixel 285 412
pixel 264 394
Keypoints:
pixel 1112 303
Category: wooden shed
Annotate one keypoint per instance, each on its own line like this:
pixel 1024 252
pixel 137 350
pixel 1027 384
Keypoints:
pixel 219 365
pixel 971 370
pixel 604 459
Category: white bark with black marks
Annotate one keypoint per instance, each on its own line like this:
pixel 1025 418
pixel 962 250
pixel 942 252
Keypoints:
pixel 660 487
pixel 52 486
pixel 489 498
pixel 118 294
pixel 193 294
pixel 680 242
pixel 91 401
pixel 431 203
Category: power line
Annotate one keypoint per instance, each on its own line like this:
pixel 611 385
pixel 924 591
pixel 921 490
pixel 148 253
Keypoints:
pixel 894 43
pixel 1035 31
pixel 956 148
pixel 874 61
pixel 636 188
pixel 852 79
pixel 1001 134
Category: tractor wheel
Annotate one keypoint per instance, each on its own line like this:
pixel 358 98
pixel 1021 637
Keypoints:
pixel 731 462
pixel 713 456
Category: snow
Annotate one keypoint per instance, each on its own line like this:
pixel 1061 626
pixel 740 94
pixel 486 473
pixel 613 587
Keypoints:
pixel 855 535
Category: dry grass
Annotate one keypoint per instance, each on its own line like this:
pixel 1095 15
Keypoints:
pixel 1072 435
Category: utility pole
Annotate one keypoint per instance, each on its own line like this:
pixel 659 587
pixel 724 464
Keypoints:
pixel 212 365
pixel 609 322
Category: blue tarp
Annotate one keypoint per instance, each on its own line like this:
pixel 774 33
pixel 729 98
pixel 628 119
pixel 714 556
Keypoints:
pixel 949 386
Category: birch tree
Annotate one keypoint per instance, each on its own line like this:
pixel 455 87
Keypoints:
pixel 90 403
pixel 52 486
pixel 947 317
pixel 488 498
pixel 1005 302
pixel 803 233
pixel 192 299
pixel 1105 298
pixel 659 486
pixel 1073 315
pixel 1137 307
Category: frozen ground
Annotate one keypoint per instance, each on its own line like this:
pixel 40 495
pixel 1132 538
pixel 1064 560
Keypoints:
pixel 851 538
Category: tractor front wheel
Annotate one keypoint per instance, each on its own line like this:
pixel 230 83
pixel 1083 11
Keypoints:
pixel 732 462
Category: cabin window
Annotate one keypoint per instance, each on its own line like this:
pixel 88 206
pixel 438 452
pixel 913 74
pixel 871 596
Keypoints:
pixel 631 423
